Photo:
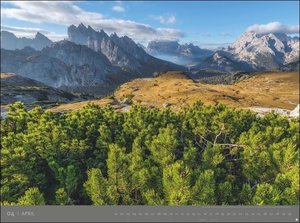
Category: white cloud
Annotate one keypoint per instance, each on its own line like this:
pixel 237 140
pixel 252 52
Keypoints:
pixel 49 12
pixel 118 8
pixel 273 27
pixel 67 13
pixel 31 32
pixel 165 19
pixel 24 31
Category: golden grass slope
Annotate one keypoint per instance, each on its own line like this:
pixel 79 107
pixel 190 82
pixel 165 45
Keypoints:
pixel 6 75
pixel 273 90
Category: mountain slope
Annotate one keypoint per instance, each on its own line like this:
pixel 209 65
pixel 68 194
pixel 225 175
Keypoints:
pixel 65 65
pixel 223 61
pixel 10 42
pixel 293 66
pixel 33 64
pixel 17 88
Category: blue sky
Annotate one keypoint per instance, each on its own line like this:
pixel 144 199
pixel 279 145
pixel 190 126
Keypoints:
pixel 202 23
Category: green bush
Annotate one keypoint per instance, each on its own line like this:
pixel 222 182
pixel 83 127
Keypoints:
pixel 200 155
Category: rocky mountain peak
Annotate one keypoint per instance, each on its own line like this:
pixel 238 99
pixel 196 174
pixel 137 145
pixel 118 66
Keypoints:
pixel 121 51
pixel 82 27
pixel 11 42
pixel 113 35
pixel 7 34
pixel 41 41
pixel 265 51
pixel 39 35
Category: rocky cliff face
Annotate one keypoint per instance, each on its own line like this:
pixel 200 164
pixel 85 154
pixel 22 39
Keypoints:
pixel 35 65
pixel 253 52
pixel 77 55
pixel 112 48
pixel 267 51
pixel 10 42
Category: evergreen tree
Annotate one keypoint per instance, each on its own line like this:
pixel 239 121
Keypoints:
pixel 96 187
pixel 176 183
pixel 118 190
pixel 203 192
pixel 163 147
pixel 266 194
pixel 246 195
pixel 61 197
pixel 32 196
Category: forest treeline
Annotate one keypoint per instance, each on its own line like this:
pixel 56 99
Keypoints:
pixel 199 155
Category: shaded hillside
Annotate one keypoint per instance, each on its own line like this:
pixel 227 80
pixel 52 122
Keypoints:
pixel 17 88
pixel 293 66
pixel 223 62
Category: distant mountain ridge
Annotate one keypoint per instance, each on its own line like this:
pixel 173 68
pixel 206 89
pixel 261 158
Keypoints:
pixel 10 42
pixel 184 54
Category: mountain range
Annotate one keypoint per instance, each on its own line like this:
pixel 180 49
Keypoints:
pixel 94 62
pixel 89 61
pixel 250 52
pixel 122 52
